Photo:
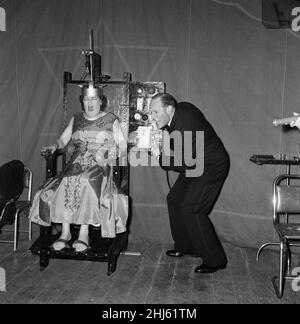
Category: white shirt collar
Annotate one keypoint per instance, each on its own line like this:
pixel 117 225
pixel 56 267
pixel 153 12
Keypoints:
pixel 171 117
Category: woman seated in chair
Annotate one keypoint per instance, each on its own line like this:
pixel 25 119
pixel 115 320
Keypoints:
pixel 83 192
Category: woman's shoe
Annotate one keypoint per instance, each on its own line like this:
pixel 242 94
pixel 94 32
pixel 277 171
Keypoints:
pixel 80 242
pixel 64 246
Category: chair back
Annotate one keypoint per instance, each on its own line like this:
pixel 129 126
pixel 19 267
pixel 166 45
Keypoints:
pixel 286 197
pixel 11 180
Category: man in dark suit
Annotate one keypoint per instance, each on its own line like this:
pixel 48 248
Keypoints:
pixel 194 194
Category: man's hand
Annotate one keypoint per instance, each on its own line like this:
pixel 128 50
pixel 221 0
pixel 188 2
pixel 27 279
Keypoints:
pixel 156 140
pixel 295 123
pixel 155 150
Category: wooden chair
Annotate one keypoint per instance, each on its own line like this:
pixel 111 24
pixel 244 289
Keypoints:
pixel 101 249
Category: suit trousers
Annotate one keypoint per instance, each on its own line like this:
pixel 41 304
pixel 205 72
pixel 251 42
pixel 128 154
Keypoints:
pixel 189 203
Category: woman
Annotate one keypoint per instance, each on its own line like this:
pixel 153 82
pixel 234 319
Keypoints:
pixel 83 192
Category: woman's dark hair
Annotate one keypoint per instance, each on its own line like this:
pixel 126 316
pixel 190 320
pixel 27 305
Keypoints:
pixel 166 99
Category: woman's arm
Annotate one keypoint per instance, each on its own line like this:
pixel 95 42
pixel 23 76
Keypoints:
pixel 63 139
pixel 66 135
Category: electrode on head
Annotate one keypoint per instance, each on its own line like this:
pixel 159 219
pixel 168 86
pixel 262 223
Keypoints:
pixel 91 91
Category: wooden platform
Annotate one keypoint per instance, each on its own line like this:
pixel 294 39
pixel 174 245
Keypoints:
pixel 151 278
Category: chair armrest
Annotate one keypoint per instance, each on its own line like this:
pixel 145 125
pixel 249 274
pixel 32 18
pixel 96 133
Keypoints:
pixel 51 161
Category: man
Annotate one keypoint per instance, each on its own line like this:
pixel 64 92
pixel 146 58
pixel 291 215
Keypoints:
pixel 191 199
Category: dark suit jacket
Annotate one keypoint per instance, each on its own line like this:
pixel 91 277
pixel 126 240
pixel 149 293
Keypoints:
pixel 188 118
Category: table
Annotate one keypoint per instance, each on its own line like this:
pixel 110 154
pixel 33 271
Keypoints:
pixel 271 159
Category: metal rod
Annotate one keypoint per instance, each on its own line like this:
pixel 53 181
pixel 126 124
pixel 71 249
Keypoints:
pixel 91 54
pixel 91 68
pixel 91 40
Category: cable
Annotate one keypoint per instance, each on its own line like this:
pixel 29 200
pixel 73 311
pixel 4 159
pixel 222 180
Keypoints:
pixel 168 180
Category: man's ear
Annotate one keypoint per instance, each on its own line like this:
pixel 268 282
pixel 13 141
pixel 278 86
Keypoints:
pixel 169 110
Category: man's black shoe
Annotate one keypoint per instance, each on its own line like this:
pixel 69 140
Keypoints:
pixel 206 269
pixel 174 253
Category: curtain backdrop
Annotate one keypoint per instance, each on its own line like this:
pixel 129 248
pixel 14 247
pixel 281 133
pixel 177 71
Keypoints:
pixel 214 53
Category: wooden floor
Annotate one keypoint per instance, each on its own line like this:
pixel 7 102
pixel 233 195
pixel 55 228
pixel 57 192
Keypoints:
pixel 151 278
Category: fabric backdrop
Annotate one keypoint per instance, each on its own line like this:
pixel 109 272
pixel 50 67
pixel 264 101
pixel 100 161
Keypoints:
pixel 216 54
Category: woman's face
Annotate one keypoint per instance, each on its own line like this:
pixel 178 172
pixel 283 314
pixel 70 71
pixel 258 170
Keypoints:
pixel 92 105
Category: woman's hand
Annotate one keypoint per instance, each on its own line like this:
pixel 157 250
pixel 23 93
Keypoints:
pixel 106 155
pixel 50 149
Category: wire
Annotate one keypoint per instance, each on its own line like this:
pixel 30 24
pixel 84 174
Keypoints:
pixel 168 180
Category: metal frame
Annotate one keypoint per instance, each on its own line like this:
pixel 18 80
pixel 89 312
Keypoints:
pixel 285 202
pixel 20 206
